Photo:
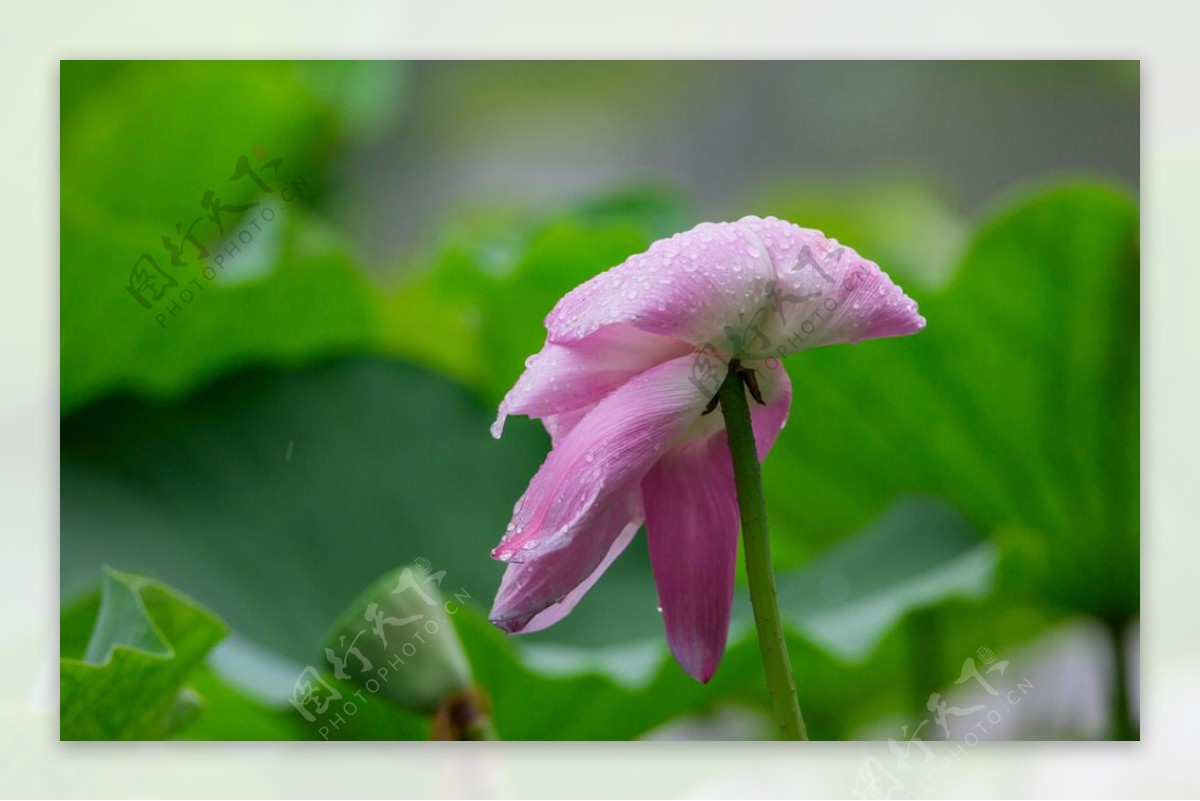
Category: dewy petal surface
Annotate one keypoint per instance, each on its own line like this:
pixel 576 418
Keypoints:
pixel 692 531
pixel 825 293
pixel 602 458
pixel 565 377
pixel 690 287
pixel 539 592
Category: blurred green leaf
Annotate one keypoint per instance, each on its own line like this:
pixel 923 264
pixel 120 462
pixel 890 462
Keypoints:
pixel 1018 404
pixel 229 714
pixel 232 714
pixel 143 142
pixel 475 312
pixel 146 641
pixel 367 97
pixel 902 225
pixel 918 554
pixel 75 622
pixel 310 303
pixel 594 701
pixel 134 697
pixel 276 497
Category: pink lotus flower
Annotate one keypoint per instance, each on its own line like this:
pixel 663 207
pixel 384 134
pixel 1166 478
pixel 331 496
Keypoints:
pixel 632 360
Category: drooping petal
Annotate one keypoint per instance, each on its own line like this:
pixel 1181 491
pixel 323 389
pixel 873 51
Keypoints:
pixel 577 374
pixel 692 531
pixel 825 293
pixel 539 592
pixel 700 287
pixel 768 420
pixel 603 458
pixel 559 425
pixel 871 306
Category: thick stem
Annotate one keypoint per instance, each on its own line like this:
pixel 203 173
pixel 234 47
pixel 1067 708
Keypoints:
pixel 1123 725
pixel 925 660
pixel 780 682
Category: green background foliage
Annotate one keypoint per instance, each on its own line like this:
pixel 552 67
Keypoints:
pixel 305 425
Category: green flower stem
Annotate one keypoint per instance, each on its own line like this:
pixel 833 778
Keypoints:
pixel 1123 725
pixel 780 682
